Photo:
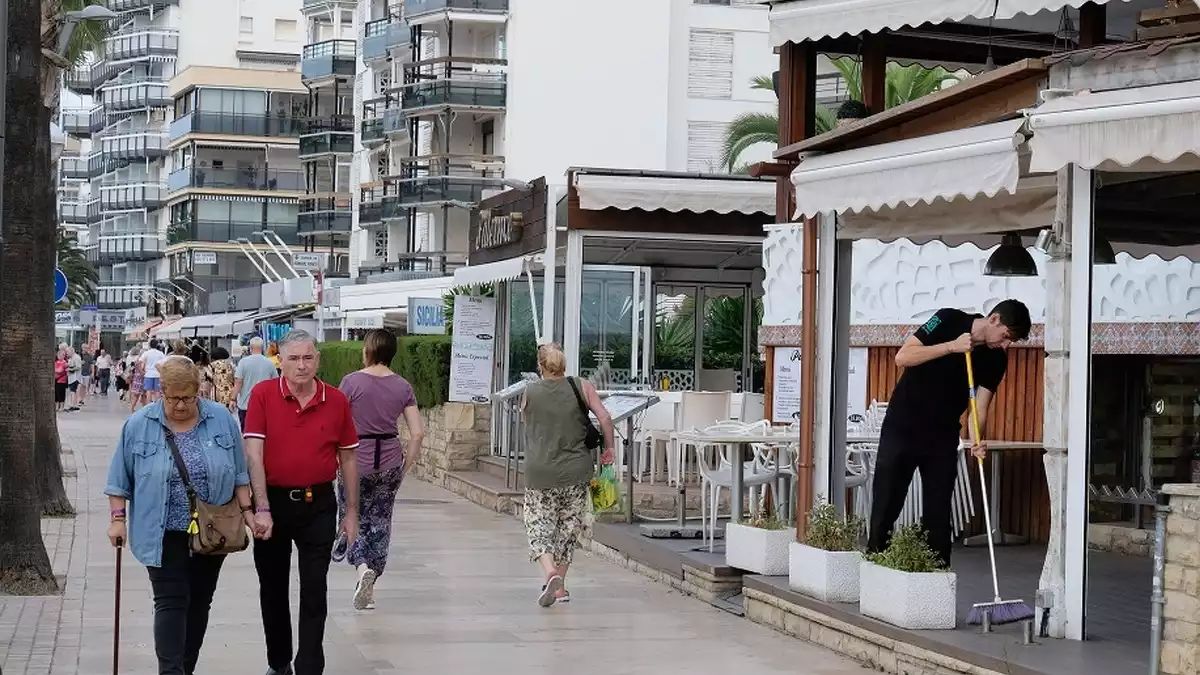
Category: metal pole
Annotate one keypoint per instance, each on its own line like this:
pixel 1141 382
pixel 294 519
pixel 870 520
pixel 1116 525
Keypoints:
pixel 1158 600
pixel 3 117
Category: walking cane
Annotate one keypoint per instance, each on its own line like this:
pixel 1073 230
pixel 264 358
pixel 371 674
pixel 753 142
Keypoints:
pixel 117 609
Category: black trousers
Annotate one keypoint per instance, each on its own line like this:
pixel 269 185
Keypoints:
pixel 183 591
pixel 103 375
pixel 900 454
pixel 311 526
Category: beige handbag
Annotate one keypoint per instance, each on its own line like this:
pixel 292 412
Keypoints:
pixel 214 530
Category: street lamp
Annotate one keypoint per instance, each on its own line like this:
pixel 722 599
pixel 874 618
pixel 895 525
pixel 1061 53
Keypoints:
pixel 70 21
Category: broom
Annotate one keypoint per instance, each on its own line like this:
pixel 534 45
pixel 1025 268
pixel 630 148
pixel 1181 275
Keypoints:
pixel 998 612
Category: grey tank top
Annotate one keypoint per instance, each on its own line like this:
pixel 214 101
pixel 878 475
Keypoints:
pixel 555 454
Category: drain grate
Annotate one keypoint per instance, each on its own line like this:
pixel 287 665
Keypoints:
pixel 422 502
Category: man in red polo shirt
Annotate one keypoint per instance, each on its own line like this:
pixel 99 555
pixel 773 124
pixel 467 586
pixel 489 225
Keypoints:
pixel 298 432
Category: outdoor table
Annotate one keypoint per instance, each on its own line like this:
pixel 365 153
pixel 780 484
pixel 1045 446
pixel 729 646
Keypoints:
pixel 741 441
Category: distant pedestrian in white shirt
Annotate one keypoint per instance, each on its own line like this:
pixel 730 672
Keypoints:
pixel 150 360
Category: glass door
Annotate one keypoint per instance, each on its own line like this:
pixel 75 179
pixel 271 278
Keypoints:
pixel 615 322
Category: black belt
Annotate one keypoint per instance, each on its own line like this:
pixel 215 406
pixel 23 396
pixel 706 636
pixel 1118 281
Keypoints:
pixel 379 439
pixel 303 494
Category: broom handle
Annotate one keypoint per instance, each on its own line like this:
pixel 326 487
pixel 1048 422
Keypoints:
pixel 987 511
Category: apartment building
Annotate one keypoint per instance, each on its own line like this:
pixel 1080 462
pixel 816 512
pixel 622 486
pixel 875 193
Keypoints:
pixel 188 178
pixel 458 99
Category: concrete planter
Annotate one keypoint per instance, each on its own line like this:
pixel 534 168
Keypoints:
pixel 910 601
pixel 828 576
pixel 756 550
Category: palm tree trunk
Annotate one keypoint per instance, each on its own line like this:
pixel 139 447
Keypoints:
pixel 24 564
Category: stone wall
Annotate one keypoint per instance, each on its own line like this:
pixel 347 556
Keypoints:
pixel 456 434
pixel 1121 539
pixel 1181 582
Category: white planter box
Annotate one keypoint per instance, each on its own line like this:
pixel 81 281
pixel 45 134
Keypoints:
pixel 828 576
pixel 911 601
pixel 757 550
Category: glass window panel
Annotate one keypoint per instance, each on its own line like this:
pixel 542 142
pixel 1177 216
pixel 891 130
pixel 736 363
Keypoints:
pixel 675 338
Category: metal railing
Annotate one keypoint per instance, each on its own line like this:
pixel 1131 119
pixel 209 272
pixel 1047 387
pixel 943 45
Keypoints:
pixel 415 8
pixel 135 145
pixel 236 124
pixel 125 248
pixel 383 35
pixel 142 43
pixel 221 231
pixel 478 90
pixel 136 196
pixel 288 180
pixel 73 212
pixel 328 58
pixel 341 142
pixel 82 121
pixel 74 167
pixel 323 222
pixel 136 96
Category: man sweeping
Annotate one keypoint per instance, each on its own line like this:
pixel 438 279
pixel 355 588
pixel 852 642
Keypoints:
pixel 922 427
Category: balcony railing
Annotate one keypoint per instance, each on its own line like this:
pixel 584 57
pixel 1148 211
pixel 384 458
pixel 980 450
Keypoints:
pixel 372 131
pixel 86 79
pixel 415 8
pixel 324 215
pixel 477 90
pixel 235 124
pixel 73 212
pixel 123 294
pixel 74 167
pixel 82 121
pixel 94 213
pixel 439 189
pixel 326 123
pixel 142 43
pixel 370 207
pixel 327 59
pixel 325 143
pixel 137 96
pixel 129 5
pixel 98 165
pixel 221 231
pixel 384 35
pixel 136 196
pixel 138 145
pixel 125 248
pixel 269 180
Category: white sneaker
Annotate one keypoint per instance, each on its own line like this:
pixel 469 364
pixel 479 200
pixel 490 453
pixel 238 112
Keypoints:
pixel 553 585
pixel 364 590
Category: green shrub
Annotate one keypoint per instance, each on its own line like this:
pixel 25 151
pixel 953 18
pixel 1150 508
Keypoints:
pixel 909 552
pixel 829 532
pixel 423 360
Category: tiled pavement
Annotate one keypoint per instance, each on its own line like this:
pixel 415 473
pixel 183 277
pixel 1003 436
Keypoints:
pixel 458 598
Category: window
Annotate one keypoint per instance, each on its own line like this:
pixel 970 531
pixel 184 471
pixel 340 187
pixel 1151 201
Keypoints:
pixel 285 30
pixel 710 64
pixel 704 140
pixel 236 101
pixel 488 130
pixel 246 25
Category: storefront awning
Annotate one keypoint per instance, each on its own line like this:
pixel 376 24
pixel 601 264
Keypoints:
pixel 801 20
pixel 981 160
pixel 1117 129
pixel 501 270
pixel 157 330
pixel 142 331
pixel 221 325
pixel 651 193
pixel 246 323
pixel 185 327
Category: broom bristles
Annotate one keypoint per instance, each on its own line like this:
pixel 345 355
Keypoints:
pixel 1002 612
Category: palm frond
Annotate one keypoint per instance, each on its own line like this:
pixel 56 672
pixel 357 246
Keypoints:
pixel 745 130
pixel 764 82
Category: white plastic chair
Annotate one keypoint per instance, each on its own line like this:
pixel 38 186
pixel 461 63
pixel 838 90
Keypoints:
pixel 697 410
pixel 654 435
pixel 753 407
pixel 713 478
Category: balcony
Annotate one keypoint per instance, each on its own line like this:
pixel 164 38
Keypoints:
pixel 135 196
pixel 235 124
pixel 82 122
pixel 118 150
pixel 416 8
pixel 331 58
pixel 74 168
pixel 324 216
pixel 73 212
pixel 123 294
pixel 94 214
pixel 372 121
pixel 477 90
pixel 327 135
pixel 314 4
pixel 130 5
pixel 142 43
pixel 266 180
pixel 111 250
pixel 98 165
pixel 384 35
pixel 370 207
pixel 222 231
pixel 136 96
pixel 434 190
pixel 85 80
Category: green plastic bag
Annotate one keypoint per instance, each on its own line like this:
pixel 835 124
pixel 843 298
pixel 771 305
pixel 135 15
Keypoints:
pixel 606 491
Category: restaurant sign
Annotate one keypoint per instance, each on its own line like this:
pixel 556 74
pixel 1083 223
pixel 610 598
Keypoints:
pixel 497 230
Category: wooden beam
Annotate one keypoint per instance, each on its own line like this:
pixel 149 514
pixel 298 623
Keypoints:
pixel 874 73
pixel 770 169
pixel 797 92
pixel 1093 25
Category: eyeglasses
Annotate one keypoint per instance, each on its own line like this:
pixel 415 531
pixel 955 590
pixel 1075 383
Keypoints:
pixel 178 400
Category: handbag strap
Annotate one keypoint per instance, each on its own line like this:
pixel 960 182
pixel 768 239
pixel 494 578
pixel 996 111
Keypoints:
pixel 179 464
pixel 579 398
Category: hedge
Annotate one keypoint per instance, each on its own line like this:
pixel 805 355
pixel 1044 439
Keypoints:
pixel 423 360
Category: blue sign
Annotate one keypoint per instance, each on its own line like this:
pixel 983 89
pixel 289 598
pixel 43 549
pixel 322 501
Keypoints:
pixel 426 316
pixel 90 308
pixel 60 286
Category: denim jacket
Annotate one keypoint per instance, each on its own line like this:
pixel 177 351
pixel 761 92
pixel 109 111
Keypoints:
pixel 142 464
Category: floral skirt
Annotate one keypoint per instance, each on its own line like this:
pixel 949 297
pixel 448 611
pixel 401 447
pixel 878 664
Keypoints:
pixel 376 500
pixel 554 521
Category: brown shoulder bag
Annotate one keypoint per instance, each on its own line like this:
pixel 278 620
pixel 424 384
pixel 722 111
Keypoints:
pixel 214 530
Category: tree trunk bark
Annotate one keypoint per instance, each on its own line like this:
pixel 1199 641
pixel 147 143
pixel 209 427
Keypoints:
pixel 24 565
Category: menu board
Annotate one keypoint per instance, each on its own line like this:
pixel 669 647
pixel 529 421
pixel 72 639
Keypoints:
pixel 856 386
pixel 472 349
pixel 621 406
pixel 785 386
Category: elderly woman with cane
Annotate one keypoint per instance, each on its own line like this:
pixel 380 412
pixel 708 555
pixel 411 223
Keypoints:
pixel 147 491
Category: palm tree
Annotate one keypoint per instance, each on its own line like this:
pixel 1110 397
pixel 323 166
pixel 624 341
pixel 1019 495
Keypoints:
pixel 903 84
pixel 81 276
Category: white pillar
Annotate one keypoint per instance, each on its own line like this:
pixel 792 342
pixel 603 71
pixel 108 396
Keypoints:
pixel 573 296
pixel 1079 408
pixel 550 260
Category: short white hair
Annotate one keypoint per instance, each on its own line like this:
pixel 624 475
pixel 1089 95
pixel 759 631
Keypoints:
pixel 256 341
pixel 296 336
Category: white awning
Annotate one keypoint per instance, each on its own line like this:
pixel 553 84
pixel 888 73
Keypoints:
pixel 1116 129
pixel 802 20
pixel 650 193
pixel 966 163
pixel 221 325
pixel 501 270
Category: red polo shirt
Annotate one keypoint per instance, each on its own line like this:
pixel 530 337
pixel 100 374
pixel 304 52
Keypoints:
pixel 300 443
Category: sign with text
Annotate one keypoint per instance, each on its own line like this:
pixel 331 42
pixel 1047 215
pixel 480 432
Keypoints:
pixel 856 386
pixel 472 351
pixel 426 316
pixel 785 386
pixel 310 261
pixel 364 321
pixel 64 318
pixel 497 230
pixel 204 257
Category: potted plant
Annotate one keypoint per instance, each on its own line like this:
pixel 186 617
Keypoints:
pixel 759 545
pixel 826 566
pixel 907 586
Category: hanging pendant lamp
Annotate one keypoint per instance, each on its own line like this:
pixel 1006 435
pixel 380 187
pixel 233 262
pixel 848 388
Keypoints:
pixel 1010 259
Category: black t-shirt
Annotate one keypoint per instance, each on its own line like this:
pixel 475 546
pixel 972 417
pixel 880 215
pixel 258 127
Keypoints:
pixel 930 398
